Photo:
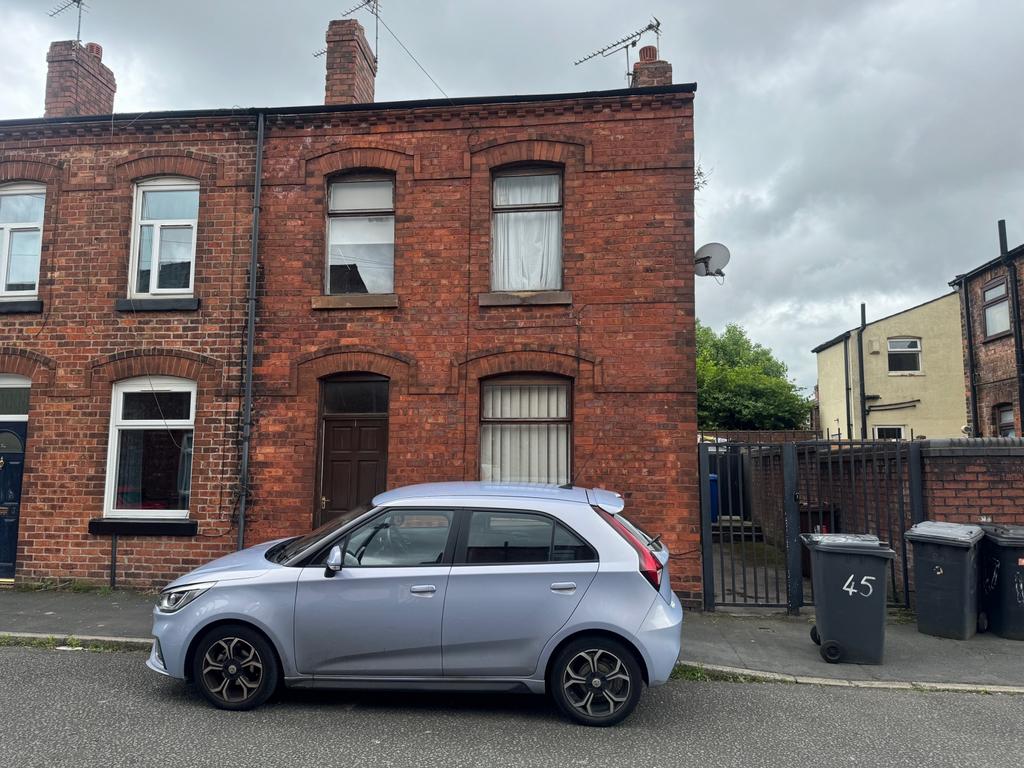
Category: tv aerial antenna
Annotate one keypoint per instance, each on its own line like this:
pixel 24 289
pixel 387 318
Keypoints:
pixel 373 6
pixel 709 261
pixel 65 5
pixel 624 44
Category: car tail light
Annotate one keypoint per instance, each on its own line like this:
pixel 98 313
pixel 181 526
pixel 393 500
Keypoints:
pixel 650 566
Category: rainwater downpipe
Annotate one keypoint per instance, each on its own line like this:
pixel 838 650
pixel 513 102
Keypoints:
pixel 1018 341
pixel 860 373
pixel 972 385
pixel 846 377
pixel 250 335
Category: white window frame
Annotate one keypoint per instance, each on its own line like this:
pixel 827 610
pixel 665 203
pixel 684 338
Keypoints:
pixel 343 213
pixel 117 425
pixel 6 230
pixel 163 184
pixel 919 351
pixel 900 427
pixel 13 381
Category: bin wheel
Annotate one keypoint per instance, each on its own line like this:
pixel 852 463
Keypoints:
pixel 831 652
pixel 983 622
pixel 815 636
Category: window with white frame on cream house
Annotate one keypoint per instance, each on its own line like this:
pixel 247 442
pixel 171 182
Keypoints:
pixel 164 238
pixel 21 239
pixel 149 459
pixel 904 357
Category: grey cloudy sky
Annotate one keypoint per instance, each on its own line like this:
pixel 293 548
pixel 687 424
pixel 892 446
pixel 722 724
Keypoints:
pixel 860 150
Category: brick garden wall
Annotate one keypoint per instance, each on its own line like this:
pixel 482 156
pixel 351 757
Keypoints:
pixel 979 483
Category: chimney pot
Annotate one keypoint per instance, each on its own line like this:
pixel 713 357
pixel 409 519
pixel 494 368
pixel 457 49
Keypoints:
pixel 97 50
pixel 648 53
pixel 650 70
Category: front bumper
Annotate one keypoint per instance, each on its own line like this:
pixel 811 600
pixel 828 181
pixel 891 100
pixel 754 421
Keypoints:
pixel 156 660
pixel 660 637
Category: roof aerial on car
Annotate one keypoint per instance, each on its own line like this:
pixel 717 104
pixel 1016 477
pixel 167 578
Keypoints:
pixel 608 500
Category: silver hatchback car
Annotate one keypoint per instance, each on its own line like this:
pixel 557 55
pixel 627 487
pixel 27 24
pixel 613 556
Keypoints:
pixel 443 586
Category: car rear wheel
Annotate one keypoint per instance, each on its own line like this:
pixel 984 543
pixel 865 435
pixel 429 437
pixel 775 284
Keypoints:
pixel 596 681
pixel 234 667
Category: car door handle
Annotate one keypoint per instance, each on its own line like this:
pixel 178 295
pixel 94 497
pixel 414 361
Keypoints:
pixel 423 589
pixel 566 587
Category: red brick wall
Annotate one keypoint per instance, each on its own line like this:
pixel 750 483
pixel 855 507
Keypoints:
pixel 626 339
pixel 351 65
pixel 994 359
pixel 79 344
pixel 975 485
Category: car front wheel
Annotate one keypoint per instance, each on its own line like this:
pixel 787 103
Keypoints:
pixel 596 681
pixel 234 667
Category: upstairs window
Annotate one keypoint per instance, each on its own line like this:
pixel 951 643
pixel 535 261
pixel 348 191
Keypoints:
pixel 164 237
pixel 996 305
pixel 149 462
pixel 904 356
pixel 1005 426
pixel 21 238
pixel 361 235
pixel 526 430
pixel 526 230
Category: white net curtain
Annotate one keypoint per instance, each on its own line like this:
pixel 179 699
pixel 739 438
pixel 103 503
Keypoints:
pixel 527 243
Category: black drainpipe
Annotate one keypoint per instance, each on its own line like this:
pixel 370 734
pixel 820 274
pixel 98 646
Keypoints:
pixel 846 377
pixel 1018 342
pixel 860 373
pixel 965 301
pixel 250 335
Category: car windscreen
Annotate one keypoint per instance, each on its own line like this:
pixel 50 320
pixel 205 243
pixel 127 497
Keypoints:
pixel 292 547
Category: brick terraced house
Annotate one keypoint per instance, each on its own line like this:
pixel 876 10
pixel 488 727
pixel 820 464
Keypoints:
pixel 993 341
pixel 494 288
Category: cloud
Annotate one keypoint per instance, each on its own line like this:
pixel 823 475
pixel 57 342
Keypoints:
pixel 860 151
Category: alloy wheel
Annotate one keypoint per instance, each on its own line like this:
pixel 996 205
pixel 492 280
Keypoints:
pixel 596 683
pixel 232 669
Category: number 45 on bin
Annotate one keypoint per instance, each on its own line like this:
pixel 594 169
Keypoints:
pixel 864 589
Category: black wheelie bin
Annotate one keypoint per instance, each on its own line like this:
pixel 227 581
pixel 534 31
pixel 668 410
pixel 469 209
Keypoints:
pixel 946 578
pixel 1002 581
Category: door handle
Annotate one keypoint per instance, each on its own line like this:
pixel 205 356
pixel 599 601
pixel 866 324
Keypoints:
pixel 323 502
pixel 566 587
pixel 423 589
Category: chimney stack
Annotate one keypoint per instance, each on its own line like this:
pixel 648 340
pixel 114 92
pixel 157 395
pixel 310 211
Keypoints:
pixel 77 80
pixel 651 70
pixel 351 66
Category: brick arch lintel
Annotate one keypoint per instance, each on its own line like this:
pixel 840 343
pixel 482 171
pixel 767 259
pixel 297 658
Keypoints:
pixel 321 164
pixel 584 368
pixel 164 162
pixel 32 365
pixel 540 148
pixel 324 362
pixel 20 168
pixel 153 361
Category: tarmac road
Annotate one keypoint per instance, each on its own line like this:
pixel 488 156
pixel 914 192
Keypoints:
pixel 85 708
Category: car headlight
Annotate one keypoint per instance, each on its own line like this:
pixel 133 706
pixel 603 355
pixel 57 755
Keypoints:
pixel 173 600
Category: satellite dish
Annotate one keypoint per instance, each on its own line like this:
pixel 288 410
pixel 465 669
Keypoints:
pixel 710 259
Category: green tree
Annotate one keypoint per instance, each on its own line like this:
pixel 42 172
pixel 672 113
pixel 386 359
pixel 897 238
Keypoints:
pixel 742 385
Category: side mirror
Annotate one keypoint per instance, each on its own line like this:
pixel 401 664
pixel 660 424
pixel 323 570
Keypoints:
pixel 334 559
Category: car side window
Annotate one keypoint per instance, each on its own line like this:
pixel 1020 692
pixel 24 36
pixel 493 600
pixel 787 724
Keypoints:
pixel 521 537
pixel 399 538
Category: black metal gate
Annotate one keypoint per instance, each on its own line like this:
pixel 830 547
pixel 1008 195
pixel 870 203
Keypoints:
pixel 757 498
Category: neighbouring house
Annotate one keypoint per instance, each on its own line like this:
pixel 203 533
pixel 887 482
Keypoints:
pixel 897 378
pixel 494 288
pixel 993 342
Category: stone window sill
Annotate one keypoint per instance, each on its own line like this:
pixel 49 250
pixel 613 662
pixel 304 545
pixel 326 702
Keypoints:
pixel 157 305
pixel 140 526
pixel 21 307
pixel 356 301
pixel 524 298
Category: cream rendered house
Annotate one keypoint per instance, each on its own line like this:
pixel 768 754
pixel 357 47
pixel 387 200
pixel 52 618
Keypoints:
pixel 912 367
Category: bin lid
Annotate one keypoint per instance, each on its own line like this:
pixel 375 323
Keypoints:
pixel 953 534
pixel 1008 535
pixel 855 543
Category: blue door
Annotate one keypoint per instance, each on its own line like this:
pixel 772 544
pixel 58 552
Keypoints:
pixel 12 467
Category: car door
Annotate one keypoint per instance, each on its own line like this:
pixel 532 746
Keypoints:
pixel 517 578
pixel 380 615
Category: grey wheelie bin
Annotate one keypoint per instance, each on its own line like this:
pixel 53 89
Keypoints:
pixel 848 574
pixel 1002 581
pixel 946 578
